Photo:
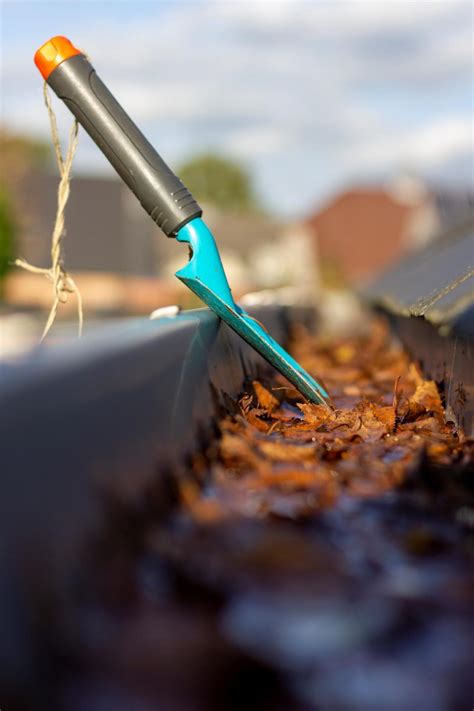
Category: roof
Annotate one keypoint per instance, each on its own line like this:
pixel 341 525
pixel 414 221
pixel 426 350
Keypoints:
pixel 106 230
pixel 453 205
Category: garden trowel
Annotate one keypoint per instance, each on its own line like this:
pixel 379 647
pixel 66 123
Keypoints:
pixel 161 193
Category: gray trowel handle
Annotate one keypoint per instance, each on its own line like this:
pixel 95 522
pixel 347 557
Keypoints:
pixel 74 80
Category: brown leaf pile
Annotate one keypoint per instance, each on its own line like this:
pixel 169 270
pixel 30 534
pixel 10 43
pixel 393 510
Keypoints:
pixel 279 456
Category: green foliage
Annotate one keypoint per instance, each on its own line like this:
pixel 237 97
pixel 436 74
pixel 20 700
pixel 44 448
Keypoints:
pixel 8 231
pixel 18 156
pixel 219 181
pixel 18 152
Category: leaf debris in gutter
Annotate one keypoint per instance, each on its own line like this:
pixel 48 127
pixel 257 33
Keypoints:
pixel 280 457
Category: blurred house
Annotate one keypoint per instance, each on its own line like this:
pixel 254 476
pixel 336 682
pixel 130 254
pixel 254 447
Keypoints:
pixel 107 230
pixel 258 251
pixel 111 247
pixel 455 207
pixel 122 262
pixel 362 231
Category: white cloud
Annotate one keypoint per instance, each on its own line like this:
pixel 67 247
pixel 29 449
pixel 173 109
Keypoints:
pixel 425 148
pixel 441 141
pixel 248 143
pixel 310 93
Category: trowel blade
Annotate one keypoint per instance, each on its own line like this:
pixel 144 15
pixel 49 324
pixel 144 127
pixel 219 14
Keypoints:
pixel 205 276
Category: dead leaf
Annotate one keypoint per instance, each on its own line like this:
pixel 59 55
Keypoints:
pixel 245 402
pixel 254 417
pixel 315 415
pixel 281 451
pixel 265 397
pixel 289 459
pixel 427 396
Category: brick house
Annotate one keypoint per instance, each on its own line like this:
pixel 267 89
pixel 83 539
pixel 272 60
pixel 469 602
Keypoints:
pixel 361 231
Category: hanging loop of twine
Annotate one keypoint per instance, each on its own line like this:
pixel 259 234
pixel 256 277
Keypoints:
pixel 63 283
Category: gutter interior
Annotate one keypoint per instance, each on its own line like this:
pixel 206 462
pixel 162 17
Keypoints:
pixel 296 563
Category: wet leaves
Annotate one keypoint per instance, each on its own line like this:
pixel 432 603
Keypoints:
pixel 266 400
pixel 280 456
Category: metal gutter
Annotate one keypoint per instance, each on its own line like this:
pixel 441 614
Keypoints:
pixel 436 283
pixel 125 404
pixel 429 298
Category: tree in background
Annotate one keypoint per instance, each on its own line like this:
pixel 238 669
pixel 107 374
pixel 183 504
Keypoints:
pixel 21 154
pixel 219 181
pixel 18 156
pixel 8 230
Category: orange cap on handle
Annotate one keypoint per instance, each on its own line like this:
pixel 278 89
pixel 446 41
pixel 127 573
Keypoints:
pixel 52 53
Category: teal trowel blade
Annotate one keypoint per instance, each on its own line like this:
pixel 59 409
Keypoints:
pixel 205 276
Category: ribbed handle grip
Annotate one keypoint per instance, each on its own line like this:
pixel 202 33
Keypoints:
pixel 160 191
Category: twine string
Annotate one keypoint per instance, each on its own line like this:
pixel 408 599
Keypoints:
pixel 63 283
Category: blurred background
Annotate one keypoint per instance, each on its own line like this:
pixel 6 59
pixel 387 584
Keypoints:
pixel 325 141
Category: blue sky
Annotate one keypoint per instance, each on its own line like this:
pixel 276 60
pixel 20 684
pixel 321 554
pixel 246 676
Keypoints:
pixel 311 96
